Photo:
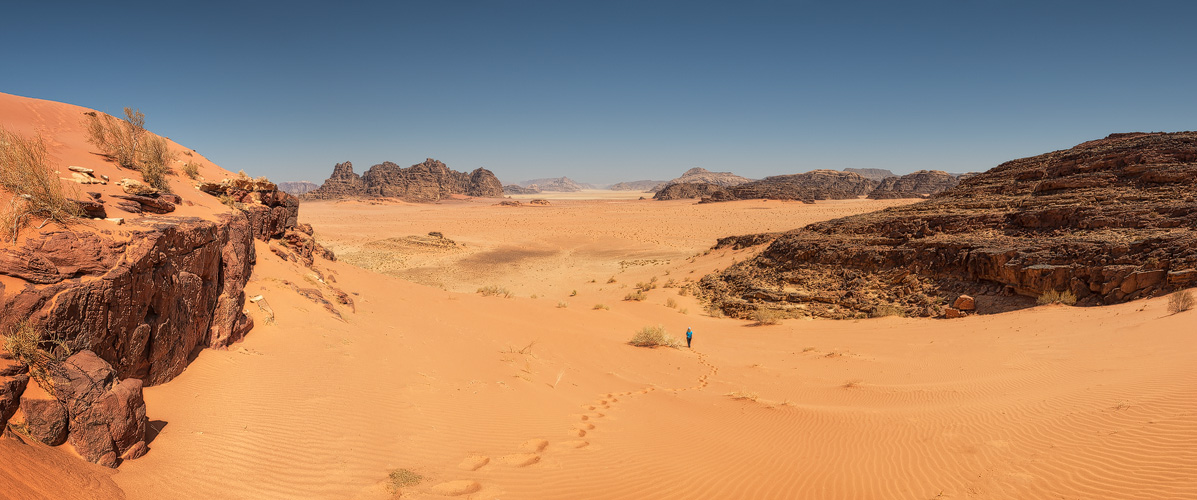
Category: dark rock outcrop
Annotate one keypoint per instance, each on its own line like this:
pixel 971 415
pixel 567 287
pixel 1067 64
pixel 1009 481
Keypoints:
pixel 423 182
pixel 873 174
pixel 702 175
pixel 43 417
pixel 1108 220
pixel 919 184
pixel 813 185
pixel 688 190
pixel 106 415
pixel 14 377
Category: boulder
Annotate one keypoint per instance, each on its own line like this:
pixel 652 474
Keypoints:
pixel 44 417
pixel 964 303
pixel 107 416
pixel 14 377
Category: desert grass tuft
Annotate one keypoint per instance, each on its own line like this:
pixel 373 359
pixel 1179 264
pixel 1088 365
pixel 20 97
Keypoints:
pixel 743 395
pixel 637 296
pixel 652 336
pixel 191 169
pixel 495 290
pixel 765 317
pixel 884 310
pixel 1053 297
pixel 37 192
pixel 670 303
pixel 562 304
pixel 601 306
pixel 1180 301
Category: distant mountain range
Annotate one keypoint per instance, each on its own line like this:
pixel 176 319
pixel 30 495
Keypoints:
pixel 559 184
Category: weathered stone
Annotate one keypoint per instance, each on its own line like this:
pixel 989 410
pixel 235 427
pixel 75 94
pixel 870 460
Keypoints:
pixel 155 205
pixel 952 313
pixel 964 303
pixel 920 184
pixel 687 190
pixel 423 182
pixel 45 418
pixel 107 416
pixel 13 380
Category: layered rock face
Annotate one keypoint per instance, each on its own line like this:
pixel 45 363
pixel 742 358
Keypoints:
pixel 702 175
pixel 873 174
pixel 919 184
pixel 424 182
pixel 813 185
pixel 688 190
pixel 518 189
pixel 1108 220
pixel 297 188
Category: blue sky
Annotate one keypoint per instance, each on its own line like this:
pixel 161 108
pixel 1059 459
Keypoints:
pixel 612 91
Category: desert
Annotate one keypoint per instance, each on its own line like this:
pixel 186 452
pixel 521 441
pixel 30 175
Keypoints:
pixel 617 250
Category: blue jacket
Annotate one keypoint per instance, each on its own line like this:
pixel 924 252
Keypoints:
pixel 689 334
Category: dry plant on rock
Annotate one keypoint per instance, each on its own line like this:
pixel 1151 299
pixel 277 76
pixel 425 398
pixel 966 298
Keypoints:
pixel 126 142
pixel 1180 301
pixel 1053 297
pixel 37 192
pixel 28 344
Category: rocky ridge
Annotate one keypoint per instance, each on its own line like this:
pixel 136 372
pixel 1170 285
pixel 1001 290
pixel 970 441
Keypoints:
pixel 873 174
pixel 423 182
pixel 919 184
pixel 690 190
pixel 645 185
pixel 702 175
pixel 556 184
pixel 297 188
pixel 1108 221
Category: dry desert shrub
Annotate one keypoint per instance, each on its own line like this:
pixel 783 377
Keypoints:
pixel 637 296
pixel 670 303
pixel 126 142
pixel 601 306
pixel 1053 297
pixel 402 478
pixel 192 170
pixel 651 336
pixel 562 304
pixel 766 317
pixel 1180 301
pixel 744 395
pixel 493 290
pixel 888 310
pixel 37 192
pixel 29 344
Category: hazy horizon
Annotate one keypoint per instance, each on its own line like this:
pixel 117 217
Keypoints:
pixel 616 91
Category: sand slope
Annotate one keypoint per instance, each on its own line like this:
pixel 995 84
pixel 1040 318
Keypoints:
pixel 518 398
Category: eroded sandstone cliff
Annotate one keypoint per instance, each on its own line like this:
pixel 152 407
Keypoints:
pixel 423 182
pixel 1108 221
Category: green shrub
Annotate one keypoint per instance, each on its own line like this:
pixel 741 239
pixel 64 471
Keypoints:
pixel 651 336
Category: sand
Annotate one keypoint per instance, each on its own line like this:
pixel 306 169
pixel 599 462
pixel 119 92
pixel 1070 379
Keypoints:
pixel 429 390
pixel 489 397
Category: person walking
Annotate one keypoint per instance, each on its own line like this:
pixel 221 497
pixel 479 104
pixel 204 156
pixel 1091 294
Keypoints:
pixel 689 335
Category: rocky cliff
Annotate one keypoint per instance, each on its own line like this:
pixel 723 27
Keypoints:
pixel 1108 221
pixel 702 175
pixel 645 185
pixel 518 189
pixel 556 184
pixel 423 182
pixel 919 184
pixel 297 188
pixel 873 174
pixel 813 185
pixel 689 190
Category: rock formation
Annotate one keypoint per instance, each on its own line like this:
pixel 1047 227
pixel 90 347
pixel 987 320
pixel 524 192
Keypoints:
pixel 424 182
pixel 813 185
pixel 688 190
pixel 701 175
pixel 873 174
pixel 556 184
pixel 1108 221
pixel 518 189
pixel 646 185
pixel 297 188
pixel 919 184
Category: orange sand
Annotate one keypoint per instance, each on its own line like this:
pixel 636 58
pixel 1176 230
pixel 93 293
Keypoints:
pixel 489 397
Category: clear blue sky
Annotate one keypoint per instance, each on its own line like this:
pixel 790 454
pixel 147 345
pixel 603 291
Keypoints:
pixel 608 91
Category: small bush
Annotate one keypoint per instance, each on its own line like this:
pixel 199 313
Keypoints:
pixel 29 345
pixel 651 336
pixel 562 304
pixel 601 306
pixel 612 280
pixel 888 310
pixel 191 169
pixel 684 310
pixel 118 139
pixel 670 303
pixel 155 159
pixel 402 478
pixel 37 192
pixel 573 293
pixel 714 311
pixel 683 291
pixel 638 296
pixel 1053 297
pixel 645 286
pixel 494 290
pixel 1180 301
pixel 766 317
pixel 744 395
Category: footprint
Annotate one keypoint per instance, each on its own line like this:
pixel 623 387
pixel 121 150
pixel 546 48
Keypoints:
pixel 576 444
pixel 534 445
pixel 455 488
pixel 588 407
pixel 597 415
pixel 520 459
pixel 473 462
pixel 582 425
pixel 584 417
pixel 577 432
pixel 614 400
